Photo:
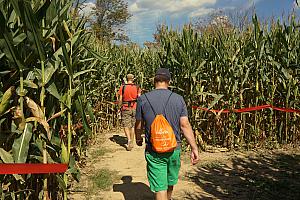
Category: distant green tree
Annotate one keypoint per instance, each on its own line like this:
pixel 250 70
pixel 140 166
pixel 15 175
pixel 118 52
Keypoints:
pixel 109 18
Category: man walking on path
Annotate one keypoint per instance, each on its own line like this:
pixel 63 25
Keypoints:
pixel 163 168
pixel 128 94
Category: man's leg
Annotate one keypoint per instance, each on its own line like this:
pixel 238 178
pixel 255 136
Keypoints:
pixel 170 190
pixel 127 128
pixel 157 174
pixel 173 171
pixel 132 123
pixel 131 130
pixel 161 195
pixel 127 131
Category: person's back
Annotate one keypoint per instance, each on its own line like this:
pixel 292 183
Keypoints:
pixel 163 166
pixel 128 95
pixel 164 102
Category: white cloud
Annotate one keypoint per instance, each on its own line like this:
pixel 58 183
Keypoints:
pixel 200 12
pixel 147 14
pixel 134 8
pixel 143 25
pixel 168 6
pixel 87 8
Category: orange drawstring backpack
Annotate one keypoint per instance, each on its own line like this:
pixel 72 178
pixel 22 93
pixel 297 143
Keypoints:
pixel 162 136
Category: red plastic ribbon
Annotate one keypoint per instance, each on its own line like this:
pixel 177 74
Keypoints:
pixel 256 108
pixel 242 110
pixel 30 168
pixel 287 110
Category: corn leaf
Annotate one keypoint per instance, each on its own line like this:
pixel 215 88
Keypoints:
pixel 21 145
pixel 6 157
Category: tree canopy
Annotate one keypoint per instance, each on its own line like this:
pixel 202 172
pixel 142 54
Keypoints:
pixel 110 16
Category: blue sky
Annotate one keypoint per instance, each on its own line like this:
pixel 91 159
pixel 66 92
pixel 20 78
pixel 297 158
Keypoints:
pixel 147 14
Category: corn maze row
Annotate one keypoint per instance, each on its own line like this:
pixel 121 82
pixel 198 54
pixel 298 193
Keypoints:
pixel 58 85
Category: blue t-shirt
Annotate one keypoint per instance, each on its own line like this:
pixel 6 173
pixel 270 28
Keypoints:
pixel 175 109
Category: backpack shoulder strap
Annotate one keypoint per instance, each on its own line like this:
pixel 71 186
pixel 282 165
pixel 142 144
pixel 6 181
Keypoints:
pixel 164 111
pixel 164 108
pixel 123 90
pixel 151 105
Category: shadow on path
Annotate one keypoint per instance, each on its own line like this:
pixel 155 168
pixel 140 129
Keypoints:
pixel 120 140
pixel 133 190
pixel 272 176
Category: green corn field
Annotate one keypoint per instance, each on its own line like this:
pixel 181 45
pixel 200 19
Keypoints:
pixel 58 86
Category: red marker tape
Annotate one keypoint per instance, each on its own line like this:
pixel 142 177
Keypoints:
pixel 32 168
pixel 256 108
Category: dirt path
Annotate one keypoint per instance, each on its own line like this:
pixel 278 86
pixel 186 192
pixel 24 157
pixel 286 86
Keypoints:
pixel 130 167
pixel 235 175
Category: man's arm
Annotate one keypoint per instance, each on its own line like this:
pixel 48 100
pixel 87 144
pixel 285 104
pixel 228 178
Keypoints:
pixel 189 135
pixel 120 102
pixel 138 129
pixel 120 97
pixel 139 92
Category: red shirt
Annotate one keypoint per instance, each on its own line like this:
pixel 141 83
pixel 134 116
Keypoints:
pixel 131 93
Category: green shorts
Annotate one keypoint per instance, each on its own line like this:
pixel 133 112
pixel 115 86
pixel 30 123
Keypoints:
pixel 162 169
pixel 128 118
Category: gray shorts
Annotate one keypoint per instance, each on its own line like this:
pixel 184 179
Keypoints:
pixel 128 118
